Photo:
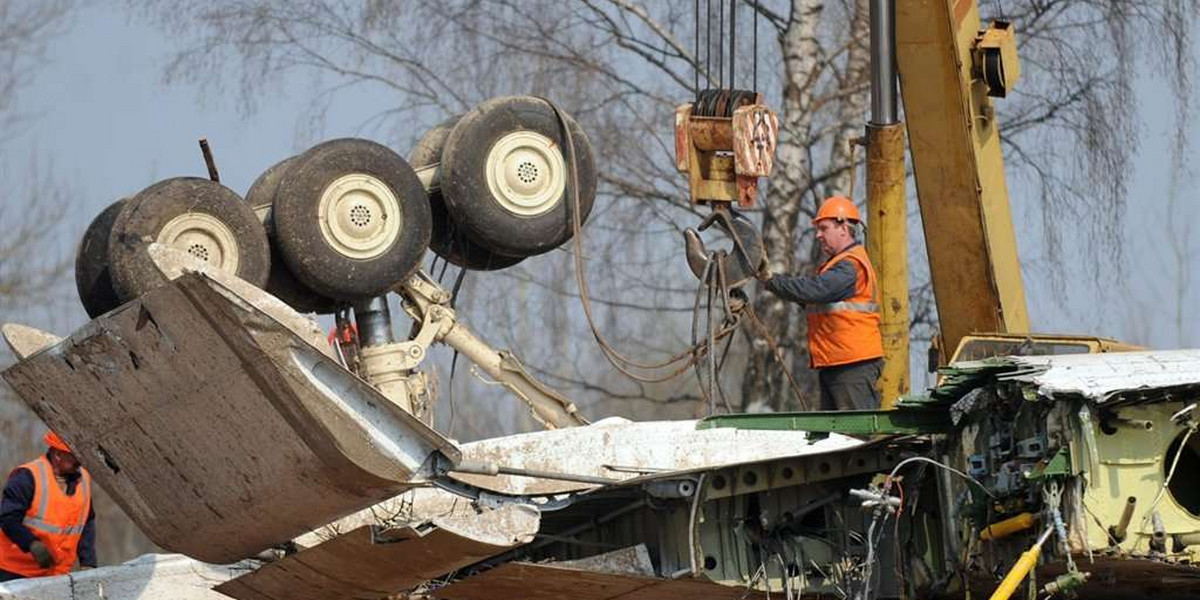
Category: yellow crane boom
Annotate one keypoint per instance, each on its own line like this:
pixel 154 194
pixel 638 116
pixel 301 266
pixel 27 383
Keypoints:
pixel 954 140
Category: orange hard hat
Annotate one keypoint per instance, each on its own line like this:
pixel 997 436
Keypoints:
pixel 838 207
pixel 56 442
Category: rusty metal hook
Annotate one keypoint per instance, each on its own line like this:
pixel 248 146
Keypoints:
pixel 739 263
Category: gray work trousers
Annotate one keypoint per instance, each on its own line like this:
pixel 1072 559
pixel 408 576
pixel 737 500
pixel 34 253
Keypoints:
pixel 851 386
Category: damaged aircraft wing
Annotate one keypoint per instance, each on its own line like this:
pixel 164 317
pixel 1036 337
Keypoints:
pixel 376 561
pixel 209 411
pixel 619 449
pixel 550 582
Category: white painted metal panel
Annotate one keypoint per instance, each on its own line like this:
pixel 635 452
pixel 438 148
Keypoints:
pixel 148 577
pixel 617 448
pixel 1100 376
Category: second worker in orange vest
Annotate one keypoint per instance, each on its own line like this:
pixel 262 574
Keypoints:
pixel 841 303
pixel 46 516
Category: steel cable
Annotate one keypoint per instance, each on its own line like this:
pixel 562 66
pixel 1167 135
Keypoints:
pixel 696 56
pixel 752 316
pixel 700 288
pixel 720 47
pixel 622 363
pixel 712 343
pixel 732 43
pixel 707 42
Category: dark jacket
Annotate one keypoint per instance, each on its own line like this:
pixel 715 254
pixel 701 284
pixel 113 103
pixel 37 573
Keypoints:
pixel 18 496
pixel 834 285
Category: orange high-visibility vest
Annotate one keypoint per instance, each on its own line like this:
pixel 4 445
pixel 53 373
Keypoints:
pixel 845 332
pixel 54 518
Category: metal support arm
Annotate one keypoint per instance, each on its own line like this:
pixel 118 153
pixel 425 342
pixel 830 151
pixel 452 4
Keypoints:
pixel 429 304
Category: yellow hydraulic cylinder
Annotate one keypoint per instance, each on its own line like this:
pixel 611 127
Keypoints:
pixel 1007 527
pixel 1024 565
pixel 887 244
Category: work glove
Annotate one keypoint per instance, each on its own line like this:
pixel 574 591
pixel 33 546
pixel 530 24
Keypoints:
pixel 41 554
pixel 763 273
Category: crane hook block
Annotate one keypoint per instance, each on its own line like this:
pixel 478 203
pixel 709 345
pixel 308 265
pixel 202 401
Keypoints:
pixel 725 141
pixel 996 58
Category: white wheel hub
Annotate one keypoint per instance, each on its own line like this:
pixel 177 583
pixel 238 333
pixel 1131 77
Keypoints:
pixel 526 173
pixel 204 237
pixel 359 216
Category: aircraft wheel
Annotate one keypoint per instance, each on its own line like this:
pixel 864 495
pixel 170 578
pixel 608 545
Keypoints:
pixel 505 179
pixel 198 216
pixel 93 278
pixel 281 283
pixel 351 219
pixel 448 240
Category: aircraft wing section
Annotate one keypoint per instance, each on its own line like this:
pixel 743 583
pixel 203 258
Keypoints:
pixel 548 582
pixel 376 562
pixel 208 411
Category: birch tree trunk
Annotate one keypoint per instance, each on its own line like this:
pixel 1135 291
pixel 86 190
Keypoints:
pixel 853 86
pixel 764 383
pixel 851 113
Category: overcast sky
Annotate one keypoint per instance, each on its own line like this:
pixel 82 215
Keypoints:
pixel 108 126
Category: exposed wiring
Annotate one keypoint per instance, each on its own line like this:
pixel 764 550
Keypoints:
pixel 453 369
pixel 483 378
pixel 872 541
pixel 935 463
pixel 1178 416
pixel 1112 541
pixel 759 573
pixel 694 524
pixel 1052 500
pixel 882 512
pixel 1170 474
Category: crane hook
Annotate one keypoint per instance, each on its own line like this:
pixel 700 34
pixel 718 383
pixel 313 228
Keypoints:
pixel 740 262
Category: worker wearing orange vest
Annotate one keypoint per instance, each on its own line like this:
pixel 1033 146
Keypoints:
pixel 844 344
pixel 46 516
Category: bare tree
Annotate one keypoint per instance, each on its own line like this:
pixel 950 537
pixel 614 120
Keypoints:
pixel 25 29
pixel 621 67
pixel 35 281
pixel 27 272
pixel 1181 249
pixel 32 271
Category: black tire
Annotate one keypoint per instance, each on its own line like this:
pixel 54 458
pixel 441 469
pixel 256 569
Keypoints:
pixel 447 240
pixel 454 245
pixel 486 133
pixel 93 278
pixel 261 194
pixel 281 283
pixel 153 212
pixel 306 241
pixel 428 150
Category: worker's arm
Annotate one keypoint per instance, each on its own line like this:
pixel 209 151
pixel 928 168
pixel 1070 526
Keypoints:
pixel 834 285
pixel 18 495
pixel 87 542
